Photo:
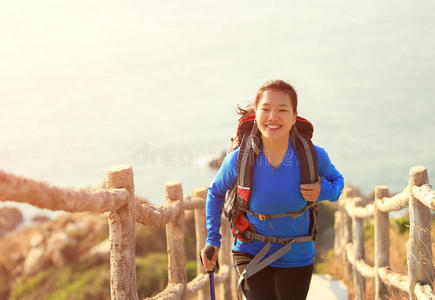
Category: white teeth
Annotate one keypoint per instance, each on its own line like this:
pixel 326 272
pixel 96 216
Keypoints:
pixel 272 126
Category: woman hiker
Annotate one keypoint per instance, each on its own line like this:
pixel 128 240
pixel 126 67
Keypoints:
pixel 274 233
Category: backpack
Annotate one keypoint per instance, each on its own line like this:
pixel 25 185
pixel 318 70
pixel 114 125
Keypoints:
pixel 236 205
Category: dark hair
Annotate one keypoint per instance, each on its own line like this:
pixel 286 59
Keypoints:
pixel 275 84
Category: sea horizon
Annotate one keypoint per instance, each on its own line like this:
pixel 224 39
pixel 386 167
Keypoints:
pixel 155 85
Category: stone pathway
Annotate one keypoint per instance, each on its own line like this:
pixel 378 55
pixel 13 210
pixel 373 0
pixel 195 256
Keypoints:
pixel 322 287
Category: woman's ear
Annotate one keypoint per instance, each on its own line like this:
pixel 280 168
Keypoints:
pixel 295 114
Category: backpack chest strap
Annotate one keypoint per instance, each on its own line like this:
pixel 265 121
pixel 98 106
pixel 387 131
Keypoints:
pixel 291 214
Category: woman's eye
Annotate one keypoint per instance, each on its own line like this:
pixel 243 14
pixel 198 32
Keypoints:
pixel 284 110
pixel 265 109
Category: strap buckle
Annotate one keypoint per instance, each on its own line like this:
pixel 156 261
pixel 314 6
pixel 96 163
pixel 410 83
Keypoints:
pixel 263 217
pixel 247 235
pixel 260 216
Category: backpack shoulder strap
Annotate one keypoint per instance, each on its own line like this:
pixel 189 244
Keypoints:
pixel 249 136
pixel 301 141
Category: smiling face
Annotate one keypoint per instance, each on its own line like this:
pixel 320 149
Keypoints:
pixel 274 115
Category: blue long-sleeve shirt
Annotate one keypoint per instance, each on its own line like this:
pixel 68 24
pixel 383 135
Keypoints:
pixel 273 191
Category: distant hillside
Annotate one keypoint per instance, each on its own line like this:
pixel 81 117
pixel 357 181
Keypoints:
pixel 68 258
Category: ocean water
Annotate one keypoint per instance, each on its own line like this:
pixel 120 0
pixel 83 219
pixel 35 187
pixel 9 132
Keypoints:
pixel 154 84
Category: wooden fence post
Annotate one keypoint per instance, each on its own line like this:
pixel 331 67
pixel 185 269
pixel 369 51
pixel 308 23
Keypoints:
pixel 201 235
pixel 358 247
pixel 382 243
pixel 337 233
pixel 342 246
pixel 175 238
pixel 347 233
pixel 122 237
pixel 419 252
pixel 225 258
pixel 233 280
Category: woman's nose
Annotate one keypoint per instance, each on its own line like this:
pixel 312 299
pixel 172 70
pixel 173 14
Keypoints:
pixel 272 114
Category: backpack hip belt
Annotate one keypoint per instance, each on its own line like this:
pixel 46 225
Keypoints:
pixel 258 263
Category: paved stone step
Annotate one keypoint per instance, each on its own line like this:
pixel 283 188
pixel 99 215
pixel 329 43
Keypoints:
pixel 322 287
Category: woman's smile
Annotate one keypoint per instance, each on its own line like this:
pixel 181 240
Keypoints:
pixel 273 127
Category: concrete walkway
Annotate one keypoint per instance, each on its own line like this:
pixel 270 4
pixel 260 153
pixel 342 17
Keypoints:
pixel 322 287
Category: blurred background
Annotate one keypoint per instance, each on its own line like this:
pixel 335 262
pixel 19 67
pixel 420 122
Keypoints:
pixel 154 84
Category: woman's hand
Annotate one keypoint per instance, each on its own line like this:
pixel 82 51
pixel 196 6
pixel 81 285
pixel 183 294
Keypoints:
pixel 210 264
pixel 311 191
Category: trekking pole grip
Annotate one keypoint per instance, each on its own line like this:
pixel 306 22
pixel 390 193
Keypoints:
pixel 209 252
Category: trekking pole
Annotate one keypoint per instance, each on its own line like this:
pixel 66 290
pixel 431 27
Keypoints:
pixel 209 251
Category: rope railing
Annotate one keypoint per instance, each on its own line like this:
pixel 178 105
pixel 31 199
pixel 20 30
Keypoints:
pixel 125 210
pixel 419 197
pixel 44 195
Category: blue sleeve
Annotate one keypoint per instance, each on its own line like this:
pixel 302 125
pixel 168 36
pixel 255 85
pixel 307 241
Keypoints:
pixel 224 179
pixel 332 180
